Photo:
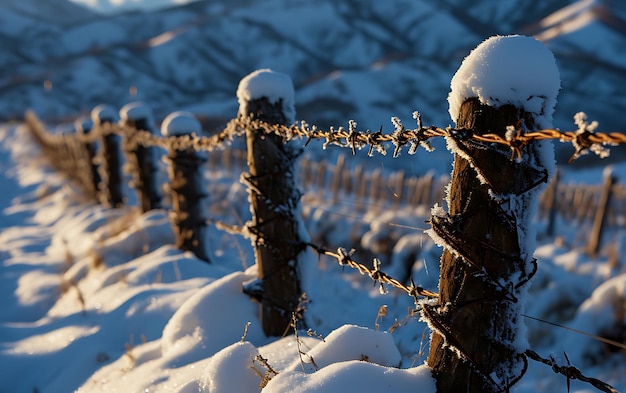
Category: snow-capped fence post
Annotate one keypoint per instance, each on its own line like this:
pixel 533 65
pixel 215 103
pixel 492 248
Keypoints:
pixel 84 127
pixel 140 159
pixel 187 188
pixel 105 117
pixel 599 221
pixel 276 228
pixel 477 343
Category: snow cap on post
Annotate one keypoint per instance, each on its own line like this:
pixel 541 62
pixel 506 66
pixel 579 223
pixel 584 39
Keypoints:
pixel 180 123
pixel 275 86
pixel 136 111
pixel 513 69
pixel 104 113
pixel 83 125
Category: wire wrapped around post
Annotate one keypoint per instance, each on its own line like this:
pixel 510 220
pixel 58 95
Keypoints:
pixel 276 227
pixel 484 265
pixel 478 340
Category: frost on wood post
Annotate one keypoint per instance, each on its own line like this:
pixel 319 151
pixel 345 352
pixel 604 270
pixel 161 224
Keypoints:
pixel 84 127
pixel 110 187
pixel 276 228
pixel 186 186
pixel 141 159
pixel 506 85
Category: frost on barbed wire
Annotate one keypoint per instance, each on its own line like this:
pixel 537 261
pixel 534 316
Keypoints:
pixel 580 142
pixel 401 137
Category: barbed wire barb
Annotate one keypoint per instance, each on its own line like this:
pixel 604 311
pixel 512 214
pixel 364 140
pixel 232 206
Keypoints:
pixel 570 372
pixel 344 258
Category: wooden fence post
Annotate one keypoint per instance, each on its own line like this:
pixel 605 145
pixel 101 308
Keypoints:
pixel 84 127
pixel 336 178
pixel 359 188
pixel 275 200
pixel 105 116
pixel 187 186
pixel 551 196
pixel 595 237
pixel 486 262
pixel 141 159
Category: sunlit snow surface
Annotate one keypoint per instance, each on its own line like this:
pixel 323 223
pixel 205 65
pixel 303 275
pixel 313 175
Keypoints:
pixel 98 300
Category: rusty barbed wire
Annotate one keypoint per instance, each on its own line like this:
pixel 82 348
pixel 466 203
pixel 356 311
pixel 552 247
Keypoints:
pixel 344 258
pixel 583 140
pixel 570 372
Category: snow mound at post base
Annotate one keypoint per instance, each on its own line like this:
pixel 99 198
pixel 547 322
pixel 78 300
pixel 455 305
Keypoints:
pixel 351 342
pixel 231 370
pixel 354 376
pixel 209 321
pixel 515 70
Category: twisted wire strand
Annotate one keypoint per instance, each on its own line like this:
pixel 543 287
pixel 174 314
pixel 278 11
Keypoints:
pixel 583 140
pixel 344 258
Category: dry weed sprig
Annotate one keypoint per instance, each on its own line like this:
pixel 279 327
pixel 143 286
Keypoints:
pixel 269 370
pixel 245 332
pixel 299 343
pixel 312 333
pixel 81 300
pixel 382 312
pixel 129 346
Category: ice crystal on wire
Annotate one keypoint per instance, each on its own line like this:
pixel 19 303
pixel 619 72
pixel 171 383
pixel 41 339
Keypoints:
pixel 585 128
pixel 511 133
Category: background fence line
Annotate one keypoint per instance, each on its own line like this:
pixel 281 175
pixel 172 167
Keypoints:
pixel 369 190
pixel 575 202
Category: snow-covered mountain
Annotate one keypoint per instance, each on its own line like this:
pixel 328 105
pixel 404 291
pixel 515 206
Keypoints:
pixel 117 6
pixel 362 60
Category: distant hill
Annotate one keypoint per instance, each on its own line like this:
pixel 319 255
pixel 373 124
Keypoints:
pixel 356 59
